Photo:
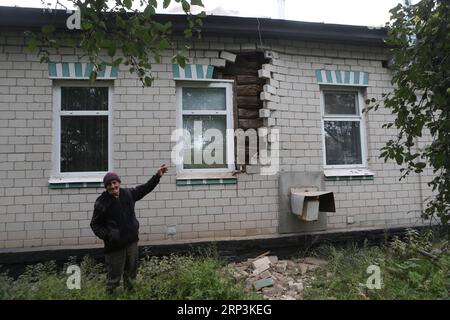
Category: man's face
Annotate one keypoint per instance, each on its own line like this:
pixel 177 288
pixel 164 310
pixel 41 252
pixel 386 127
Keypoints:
pixel 113 188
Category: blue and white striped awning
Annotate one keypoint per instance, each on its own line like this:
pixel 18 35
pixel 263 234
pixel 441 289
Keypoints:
pixel 343 78
pixel 77 70
pixel 192 71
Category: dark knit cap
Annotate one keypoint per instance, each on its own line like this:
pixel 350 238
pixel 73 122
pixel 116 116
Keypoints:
pixel 110 176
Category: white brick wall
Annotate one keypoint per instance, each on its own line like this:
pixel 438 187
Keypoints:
pixel 31 214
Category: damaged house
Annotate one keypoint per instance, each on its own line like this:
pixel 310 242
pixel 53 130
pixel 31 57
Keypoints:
pixel 302 157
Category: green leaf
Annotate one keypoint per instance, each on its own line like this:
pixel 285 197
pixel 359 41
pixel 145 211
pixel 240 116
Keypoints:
pixel 197 3
pixel 86 25
pixel 159 27
pixel 121 23
pixel 32 45
pixel 149 11
pixel 185 5
pixel 148 81
pixel 188 33
pixel 199 22
pixel 181 60
pixel 166 4
pixel 127 3
pixel 111 50
pixel 399 158
pixel 44 59
pixel 105 43
pixel 421 165
pixel 167 25
pixel 163 44
pixel 49 28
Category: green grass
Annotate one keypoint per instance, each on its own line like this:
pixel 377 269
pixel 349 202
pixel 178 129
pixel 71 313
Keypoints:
pixel 406 273
pixel 172 277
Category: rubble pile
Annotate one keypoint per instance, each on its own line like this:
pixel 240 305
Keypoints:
pixel 276 279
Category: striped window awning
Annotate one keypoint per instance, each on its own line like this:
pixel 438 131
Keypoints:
pixel 343 78
pixel 77 70
pixel 192 71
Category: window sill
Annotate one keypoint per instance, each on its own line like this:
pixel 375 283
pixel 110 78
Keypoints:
pixel 186 179
pixel 75 182
pixel 347 174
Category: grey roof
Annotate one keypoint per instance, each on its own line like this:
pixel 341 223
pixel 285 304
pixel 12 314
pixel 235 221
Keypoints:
pixel 32 18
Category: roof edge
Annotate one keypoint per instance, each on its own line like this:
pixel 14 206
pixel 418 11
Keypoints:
pixel 18 18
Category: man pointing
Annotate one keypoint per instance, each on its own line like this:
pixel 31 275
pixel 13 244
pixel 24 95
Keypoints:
pixel 114 221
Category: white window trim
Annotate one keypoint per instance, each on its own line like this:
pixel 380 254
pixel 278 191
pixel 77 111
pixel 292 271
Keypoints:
pixel 358 172
pixel 67 177
pixel 228 85
pixel 362 127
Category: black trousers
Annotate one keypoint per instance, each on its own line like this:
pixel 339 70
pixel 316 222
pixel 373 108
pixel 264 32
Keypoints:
pixel 123 262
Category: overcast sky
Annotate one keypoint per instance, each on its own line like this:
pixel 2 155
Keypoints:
pixel 354 12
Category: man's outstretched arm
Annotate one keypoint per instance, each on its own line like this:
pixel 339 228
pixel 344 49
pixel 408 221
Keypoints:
pixel 142 190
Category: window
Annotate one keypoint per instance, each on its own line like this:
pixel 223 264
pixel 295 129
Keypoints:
pixel 205 112
pixel 344 134
pixel 82 144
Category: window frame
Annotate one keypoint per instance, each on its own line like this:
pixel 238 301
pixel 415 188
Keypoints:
pixel 228 85
pixel 360 117
pixel 88 176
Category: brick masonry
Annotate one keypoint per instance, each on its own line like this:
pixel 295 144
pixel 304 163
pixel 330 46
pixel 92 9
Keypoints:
pixel 32 215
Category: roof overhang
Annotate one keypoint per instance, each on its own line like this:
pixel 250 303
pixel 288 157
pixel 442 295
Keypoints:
pixel 17 18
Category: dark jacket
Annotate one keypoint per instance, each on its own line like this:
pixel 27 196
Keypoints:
pixel 114 220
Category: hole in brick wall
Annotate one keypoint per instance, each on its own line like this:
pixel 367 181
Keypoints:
pixel 248 86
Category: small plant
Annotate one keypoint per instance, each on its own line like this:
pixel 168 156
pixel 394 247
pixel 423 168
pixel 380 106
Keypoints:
pixel 414 242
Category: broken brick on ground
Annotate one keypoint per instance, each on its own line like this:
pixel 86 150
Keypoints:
pixel 276 279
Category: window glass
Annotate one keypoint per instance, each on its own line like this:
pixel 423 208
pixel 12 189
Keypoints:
pixel 84 98
pixel 84 143
pixel 342 142
pixel 341 103
pixel 202 137
pixel 204 99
